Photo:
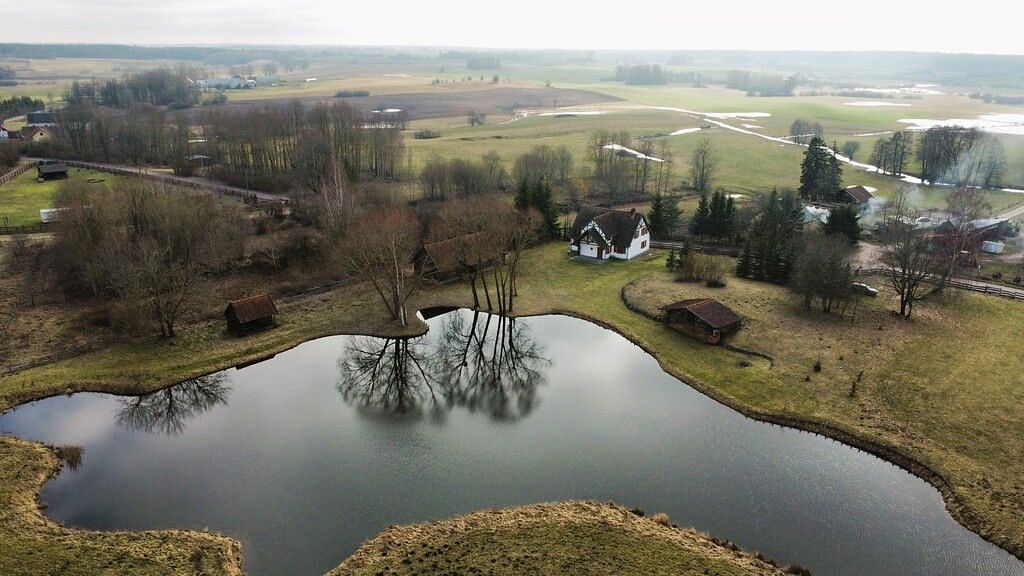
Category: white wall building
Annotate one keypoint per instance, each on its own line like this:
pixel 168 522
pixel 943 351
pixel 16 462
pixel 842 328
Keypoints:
pixel 601 233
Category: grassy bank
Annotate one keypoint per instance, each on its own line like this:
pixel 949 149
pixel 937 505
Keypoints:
pixel 22 198
pixel 568 538
pixel 939 394
pixel 33 544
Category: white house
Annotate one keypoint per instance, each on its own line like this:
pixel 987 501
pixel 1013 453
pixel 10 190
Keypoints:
pixel 601 233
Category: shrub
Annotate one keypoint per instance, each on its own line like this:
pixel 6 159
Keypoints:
pixel 9 155
pixel 662 518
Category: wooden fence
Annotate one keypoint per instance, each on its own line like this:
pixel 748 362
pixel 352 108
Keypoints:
pixel 16 172
pixel 982 287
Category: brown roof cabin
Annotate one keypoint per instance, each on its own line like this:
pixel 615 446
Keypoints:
pixel 50 170
pixel 451 258
pixel 250 313
pixel 703 318
pixel 857 194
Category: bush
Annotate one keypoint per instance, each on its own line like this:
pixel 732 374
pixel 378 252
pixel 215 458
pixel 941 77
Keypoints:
pixel 662 518
pixel 9 155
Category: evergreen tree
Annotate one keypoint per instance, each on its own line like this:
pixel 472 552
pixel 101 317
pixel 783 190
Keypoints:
pixel 821 174
pixel 744 266
pixel 729 228
pixel 544 201
pixel 670 263
pixel 663 215
pixel 701 217
pixel 844 221
pixel 524 196
pixel 774 236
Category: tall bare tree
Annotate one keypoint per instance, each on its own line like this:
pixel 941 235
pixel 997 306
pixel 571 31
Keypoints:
pixel 379 249
pixel 703 165
pixel 908 256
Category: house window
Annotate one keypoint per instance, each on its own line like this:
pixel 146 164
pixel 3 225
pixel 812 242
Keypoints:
pixel 643 244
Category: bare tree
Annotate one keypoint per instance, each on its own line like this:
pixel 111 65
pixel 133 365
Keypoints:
pixel 907 255
pixel 965 205
pixel 703 165
pixel 379 250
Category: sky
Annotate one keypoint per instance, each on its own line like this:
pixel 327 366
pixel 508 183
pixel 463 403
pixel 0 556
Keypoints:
pixel 981 26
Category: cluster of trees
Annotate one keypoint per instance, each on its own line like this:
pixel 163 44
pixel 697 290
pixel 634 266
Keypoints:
pixel 620 174
pixel 821 173
pixel 144 249
pixel 19 105
pixel 641 74
pixel 759 84
pixel 483 62
pixel 692 266
pixel 773 239
pixel 351 93
pixel 8 76
pixel 892 154
pixel 454 178
pixel 475 118
pixel 208 54
pixel 843 222
pixel 961 156
pixel 802 131
pixel 536 197
pixel 269 147
pixel 543 163
pixel 160 87
pixel 823 271
pixel 10 155
pixel 715 216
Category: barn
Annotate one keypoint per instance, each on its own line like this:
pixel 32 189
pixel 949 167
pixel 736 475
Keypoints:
pixel 857 194
pixel 703 318
pixel 602 233
pixel 250 313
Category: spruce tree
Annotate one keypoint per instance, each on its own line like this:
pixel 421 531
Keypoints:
pixel 744 266
pixel 656 216
pixel 670 263
pixel 844 221
pixel 544 202
pixel 701 217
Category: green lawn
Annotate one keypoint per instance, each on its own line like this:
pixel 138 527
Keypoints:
pixel 22 198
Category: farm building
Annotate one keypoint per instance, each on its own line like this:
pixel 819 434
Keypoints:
pixel 250 313
pixel 51 170
pixel 601 233
pixel 857 194
pixel 704 318
pixel 36 134
pixel 451 258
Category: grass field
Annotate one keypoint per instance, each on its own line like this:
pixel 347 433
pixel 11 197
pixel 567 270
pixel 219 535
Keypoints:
pixel 22 198
pixel 567 538
pixel 913 399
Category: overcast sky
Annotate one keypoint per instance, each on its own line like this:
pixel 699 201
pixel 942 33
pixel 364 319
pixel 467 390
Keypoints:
pixel 985 26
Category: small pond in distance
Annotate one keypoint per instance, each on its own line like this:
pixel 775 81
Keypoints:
pixel 305 455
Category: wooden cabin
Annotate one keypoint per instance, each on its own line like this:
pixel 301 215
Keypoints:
pixel 453 258
pixel 703 318
pixel 252 313
pixel 50 170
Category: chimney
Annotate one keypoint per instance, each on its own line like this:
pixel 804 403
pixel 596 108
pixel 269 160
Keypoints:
pixel 632 211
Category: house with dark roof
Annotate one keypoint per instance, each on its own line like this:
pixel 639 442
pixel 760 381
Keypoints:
pixel 856 194
pixel 250 313
pixel 41 118
pixel 703 318
pixel 453 257
pixel 602 233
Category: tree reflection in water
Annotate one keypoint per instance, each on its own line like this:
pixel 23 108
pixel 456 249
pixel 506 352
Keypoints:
pixel 391 375
pixel 489 363
pixel 168 410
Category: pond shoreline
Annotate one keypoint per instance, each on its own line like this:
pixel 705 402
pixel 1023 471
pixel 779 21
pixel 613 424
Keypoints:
pixel 954 504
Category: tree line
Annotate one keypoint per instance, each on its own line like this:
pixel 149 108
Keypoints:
pixel 160 87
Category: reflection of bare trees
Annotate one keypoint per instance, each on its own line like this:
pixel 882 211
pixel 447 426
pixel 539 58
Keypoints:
pixel 487 363
pixel 492 364
pixel 167 410
pixel 390 374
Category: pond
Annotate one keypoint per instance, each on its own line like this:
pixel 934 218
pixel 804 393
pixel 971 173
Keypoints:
pixel 305 455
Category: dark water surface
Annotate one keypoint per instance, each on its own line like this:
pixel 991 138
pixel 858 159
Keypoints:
pixel 304 456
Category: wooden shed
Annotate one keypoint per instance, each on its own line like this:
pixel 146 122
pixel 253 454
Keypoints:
pixel 454 257
pixel 703 318
pixel 50 170
pixel 250 313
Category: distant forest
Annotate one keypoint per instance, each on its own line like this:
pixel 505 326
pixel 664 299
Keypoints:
pixel 208 55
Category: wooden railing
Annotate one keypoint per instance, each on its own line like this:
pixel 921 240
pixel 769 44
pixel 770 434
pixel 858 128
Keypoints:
pixel 16 172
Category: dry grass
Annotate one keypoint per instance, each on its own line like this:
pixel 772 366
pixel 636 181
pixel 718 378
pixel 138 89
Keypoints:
pixel 565 538
pixel 33 544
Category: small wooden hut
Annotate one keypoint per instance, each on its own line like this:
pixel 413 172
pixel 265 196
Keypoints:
pixel 703 318
pixel 49 170
pixel 252 313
